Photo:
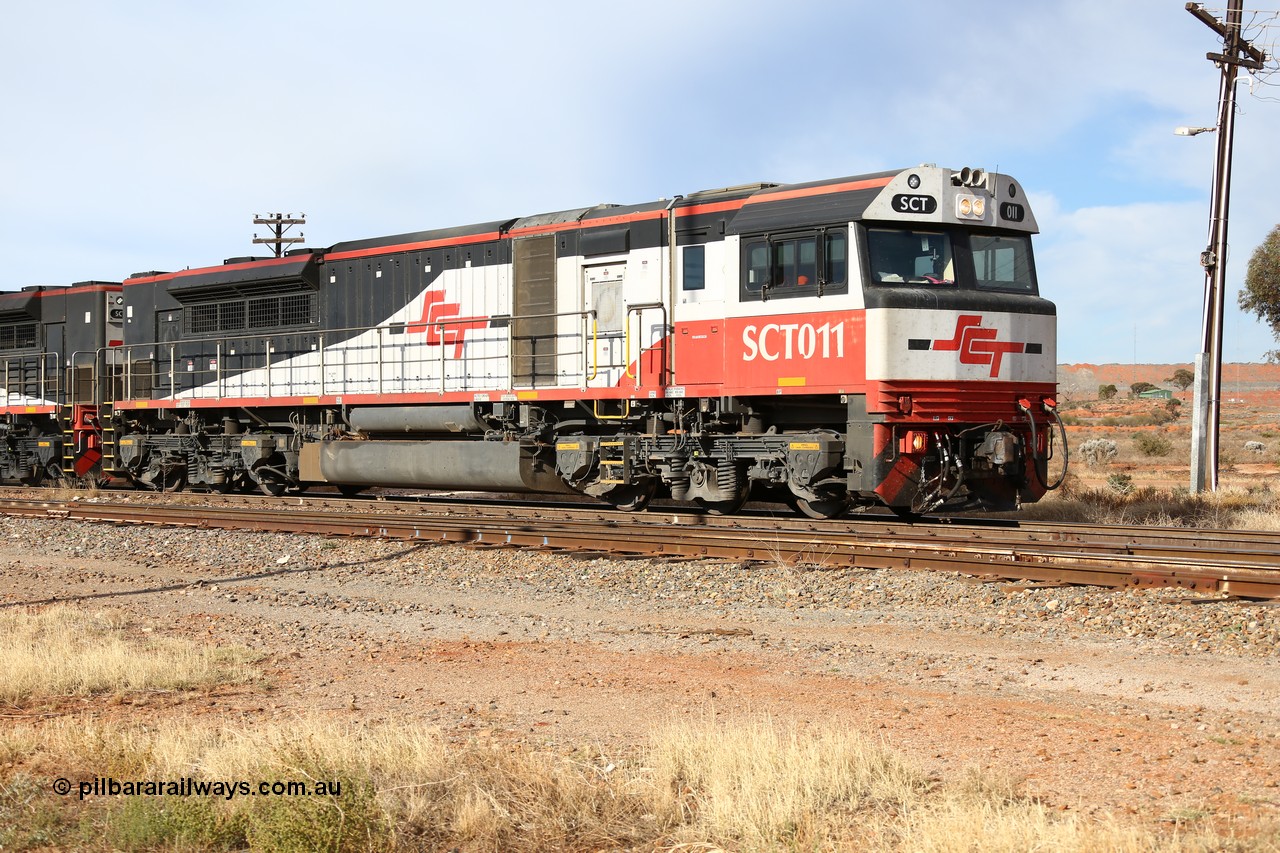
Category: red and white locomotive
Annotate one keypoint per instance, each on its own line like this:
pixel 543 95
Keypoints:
pixel 867 340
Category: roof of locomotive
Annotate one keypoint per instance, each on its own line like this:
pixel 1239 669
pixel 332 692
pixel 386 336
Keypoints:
pixel 795 205
pixel 39 290
pixel 752 207
pixel 460 234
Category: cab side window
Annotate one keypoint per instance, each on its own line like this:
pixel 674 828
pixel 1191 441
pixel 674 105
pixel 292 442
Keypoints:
pixel 836 253
pixel 812 263
pixel 756 267
pixel 694 267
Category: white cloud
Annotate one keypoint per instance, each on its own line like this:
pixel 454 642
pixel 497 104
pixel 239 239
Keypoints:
pixel 1128 277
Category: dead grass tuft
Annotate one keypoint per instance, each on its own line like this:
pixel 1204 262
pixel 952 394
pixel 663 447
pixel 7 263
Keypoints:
pixel 62 651
pixel 400 787
pixel 1230 509
pixel 756 786
pixel 752 785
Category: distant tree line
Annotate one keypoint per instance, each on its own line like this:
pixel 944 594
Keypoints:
pixel 1182 379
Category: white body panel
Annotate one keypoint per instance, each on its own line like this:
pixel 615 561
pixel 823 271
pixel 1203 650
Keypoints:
pixel 963 346
pixel 443 340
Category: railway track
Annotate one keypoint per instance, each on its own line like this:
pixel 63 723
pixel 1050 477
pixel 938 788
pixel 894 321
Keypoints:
pixel 1241 564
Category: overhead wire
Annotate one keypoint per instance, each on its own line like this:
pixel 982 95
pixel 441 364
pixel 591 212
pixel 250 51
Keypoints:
pixel 1263 31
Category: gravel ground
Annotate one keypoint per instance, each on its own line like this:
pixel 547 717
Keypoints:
pixel 1140 701
pixel 361 572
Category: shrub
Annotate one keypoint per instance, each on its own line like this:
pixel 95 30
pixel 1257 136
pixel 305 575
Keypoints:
pixel 1120 483
pixel 1153 445
pixel 1097 451
pixel 1106 392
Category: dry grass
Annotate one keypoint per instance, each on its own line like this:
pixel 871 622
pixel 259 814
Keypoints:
pixel 62 651
pixel 959 826
pixel 986 812
pixel 401 787
pixel 746 786
pixel 1232 508
pixel 755 786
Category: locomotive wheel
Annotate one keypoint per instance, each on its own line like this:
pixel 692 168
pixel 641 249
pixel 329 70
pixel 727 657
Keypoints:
pixel 350 491
pixel 274 488
pixel 223 488
pixel 53 473
pixel 632 498
pixel 173 481
pixel 726 507
pixel 830 508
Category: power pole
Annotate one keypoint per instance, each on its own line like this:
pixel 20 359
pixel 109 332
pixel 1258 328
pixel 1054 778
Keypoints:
pixel 1236 53
pixel 280 223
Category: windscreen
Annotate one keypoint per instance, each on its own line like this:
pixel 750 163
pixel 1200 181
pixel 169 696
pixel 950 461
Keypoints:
pixel 1002 262
pixel 950 258
pixel 899 256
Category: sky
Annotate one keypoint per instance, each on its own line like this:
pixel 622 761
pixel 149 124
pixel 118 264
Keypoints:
pixel 146 135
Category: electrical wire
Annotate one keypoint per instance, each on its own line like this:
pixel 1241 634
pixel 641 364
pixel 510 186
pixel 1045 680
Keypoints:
pixel 1262 31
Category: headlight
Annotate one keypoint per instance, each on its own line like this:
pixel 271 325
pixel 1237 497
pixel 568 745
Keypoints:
pixel 971 207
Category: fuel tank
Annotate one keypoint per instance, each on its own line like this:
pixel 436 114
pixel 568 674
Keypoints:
pixel 475 466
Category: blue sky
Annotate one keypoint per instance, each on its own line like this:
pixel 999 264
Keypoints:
pixel 145 135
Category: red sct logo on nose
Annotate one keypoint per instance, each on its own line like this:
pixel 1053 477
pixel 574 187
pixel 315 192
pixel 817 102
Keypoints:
pixel 978 345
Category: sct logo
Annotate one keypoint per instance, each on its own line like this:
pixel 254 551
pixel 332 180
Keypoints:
pixel 977 345
pixel 442 324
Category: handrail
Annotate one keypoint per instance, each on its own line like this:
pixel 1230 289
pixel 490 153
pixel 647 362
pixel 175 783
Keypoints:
pixel 595 348
pixel 41 360
pixel 374 370
pixel 94 375
pixel 626 410
pixel 511 371
pixel 639 310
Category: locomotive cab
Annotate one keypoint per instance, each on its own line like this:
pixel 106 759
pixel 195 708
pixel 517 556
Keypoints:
pixel 961 361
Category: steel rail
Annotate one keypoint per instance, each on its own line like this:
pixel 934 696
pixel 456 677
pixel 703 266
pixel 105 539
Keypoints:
pixel 1008 552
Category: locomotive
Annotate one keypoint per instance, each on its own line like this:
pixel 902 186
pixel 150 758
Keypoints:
pixel 868 340
pixel 51 340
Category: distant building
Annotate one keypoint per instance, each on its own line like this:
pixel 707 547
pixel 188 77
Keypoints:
pixel 1156 394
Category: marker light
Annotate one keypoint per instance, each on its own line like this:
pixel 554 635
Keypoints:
pixel 914 442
